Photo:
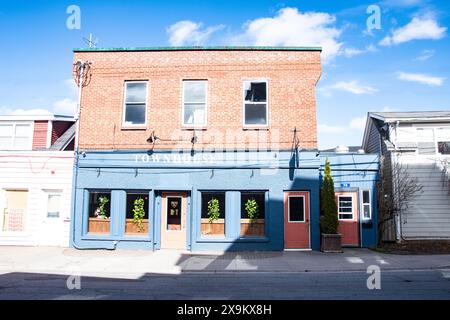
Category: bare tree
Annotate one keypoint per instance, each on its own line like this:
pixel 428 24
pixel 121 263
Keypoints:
pixel 395 190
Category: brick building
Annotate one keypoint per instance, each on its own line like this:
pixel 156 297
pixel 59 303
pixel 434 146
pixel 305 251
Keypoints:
pixel 198 148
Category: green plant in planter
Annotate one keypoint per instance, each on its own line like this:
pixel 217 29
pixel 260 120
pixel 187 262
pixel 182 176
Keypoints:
pixel 213 210
pixel 139 213
pixel 328 207
pixel 252 209
pixel 103 201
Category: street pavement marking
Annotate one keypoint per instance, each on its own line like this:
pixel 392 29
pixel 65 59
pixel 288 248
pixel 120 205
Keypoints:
pixel 354 260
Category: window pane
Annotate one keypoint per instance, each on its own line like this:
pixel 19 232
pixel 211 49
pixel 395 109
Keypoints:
pixel 255 91
pixel 259 198
pixel 136 221
pixel 345 216
pixel 135 114
pixel 296 209
pixel 366 197
pixel 443 134
pixel 366 211
pixel 6 130
pixel 53 205
pixel 255 114
pixel 21 142
pixel 23 130
pixel 5 141
pixel 99 212
pixel 195 91
pixel 444 147
pixel 174 213
pixel 136 92
pixel 206 197
pixel 194 114
pixel 345 204
pixel 215 226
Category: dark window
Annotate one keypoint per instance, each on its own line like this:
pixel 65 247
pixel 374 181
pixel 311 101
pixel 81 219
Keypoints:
pixel 444 147
pixel 131 198
pixel 256 92
pixel 259 198
pixel 345 207
pixel 208 196
pixel 99 204
pixel 174 213
pixel 135 103
pixel 296 209
pixel 255 100
pixel 255 114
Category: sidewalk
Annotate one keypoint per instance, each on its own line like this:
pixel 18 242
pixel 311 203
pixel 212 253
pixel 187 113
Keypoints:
pixel 134 264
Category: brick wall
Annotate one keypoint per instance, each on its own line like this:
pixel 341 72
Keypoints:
pixel 40 134
pixel 291 76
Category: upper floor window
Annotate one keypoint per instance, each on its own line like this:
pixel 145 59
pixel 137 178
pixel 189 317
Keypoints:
pixel 194 102
pixel 135 113
pixel 366 205
pixel 17 136
pixel 432 140
pixel 255 103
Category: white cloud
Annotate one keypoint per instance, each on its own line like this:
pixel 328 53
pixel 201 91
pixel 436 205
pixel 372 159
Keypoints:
pixel 65 106
pixel 326 128
pixel 348 86
pixel 425 55
pixel 289 27
pixel 421 78
pixel 8 111
pixel 351 52
pixel 420 28
pixel 358 123
pixel 190 33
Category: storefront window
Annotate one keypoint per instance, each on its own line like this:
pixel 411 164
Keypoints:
pixel 253 205
pixel 213 213
pixel 136 218
pixel 99 212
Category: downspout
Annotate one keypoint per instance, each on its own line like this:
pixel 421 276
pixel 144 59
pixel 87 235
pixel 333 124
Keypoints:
pixel 394 159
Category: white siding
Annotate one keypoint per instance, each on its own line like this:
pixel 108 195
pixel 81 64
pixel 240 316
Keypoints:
pixel 38 171
pixel 428 215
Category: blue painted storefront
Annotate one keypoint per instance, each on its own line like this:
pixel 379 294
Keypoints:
pixel 274 173
pixel 354 172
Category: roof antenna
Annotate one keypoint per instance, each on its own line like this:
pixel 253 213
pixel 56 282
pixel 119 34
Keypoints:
pixel 90 42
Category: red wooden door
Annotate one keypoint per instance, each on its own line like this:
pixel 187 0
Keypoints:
pixel 296 220
pixel 347 203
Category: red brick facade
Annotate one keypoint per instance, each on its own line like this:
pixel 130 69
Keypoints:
pixel 291 77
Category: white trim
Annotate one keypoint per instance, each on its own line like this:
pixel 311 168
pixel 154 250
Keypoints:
pixel 304 208
pixel 194 125
pixel 49 117
pixel 49 133
pixel 349 195
pixel 140 125
pixel 255 126
pixel 365 203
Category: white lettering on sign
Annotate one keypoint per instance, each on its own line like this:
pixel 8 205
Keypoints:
pixel 174 158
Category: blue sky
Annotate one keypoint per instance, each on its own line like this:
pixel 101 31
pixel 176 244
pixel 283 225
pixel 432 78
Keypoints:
pixel 402 66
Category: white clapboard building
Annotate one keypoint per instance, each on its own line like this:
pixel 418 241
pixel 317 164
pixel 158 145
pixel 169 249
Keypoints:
pixel 36 165
pixel 419 143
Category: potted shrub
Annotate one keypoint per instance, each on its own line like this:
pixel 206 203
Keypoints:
pixel 330 238
pixel 252 226
pixel 138 224
pixel 213 225
pixel 100 222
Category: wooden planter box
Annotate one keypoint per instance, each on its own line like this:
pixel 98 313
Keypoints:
pixel 252 228
pixel 98 225
pixel 216 228
pixel 133 228
pixel 331 243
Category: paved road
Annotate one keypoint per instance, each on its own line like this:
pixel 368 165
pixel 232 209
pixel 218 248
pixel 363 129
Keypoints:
pixel 407 284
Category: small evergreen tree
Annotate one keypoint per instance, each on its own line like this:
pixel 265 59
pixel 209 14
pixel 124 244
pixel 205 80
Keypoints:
pixel 328 208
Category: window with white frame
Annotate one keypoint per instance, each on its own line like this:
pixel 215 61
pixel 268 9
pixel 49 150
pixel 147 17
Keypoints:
pixel 433 140
pixel 135 113
pixel 366 205
pixel 53 205
pixel 194 102
pixel 255 103
pixel 345 207
pixel 17 136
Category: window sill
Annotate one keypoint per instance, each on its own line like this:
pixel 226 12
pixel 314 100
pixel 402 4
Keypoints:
pixel 249 128
pixel 129 128
pixel 192 128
